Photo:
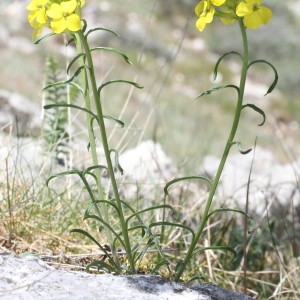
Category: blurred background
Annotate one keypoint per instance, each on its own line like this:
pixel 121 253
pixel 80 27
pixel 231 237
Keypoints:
pixel 174 63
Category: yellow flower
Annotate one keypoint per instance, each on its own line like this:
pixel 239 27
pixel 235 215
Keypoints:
pixel 37 11
pixel 64 16
pixel 38 27
pixel 205 12
pixel 254 14
pixel 228 15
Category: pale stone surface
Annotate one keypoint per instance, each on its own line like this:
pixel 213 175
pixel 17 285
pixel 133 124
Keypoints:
pixel 30 278
pixel 270 180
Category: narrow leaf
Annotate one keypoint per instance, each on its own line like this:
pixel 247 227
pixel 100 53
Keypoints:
pixel 115 120
pixel 220 59
pixel 43 38
pixel 64 174
pixel 185 178
pixel 271 88
pixel 73 61
pixel 260 111
pixel 64 82
pixel 159 265
pixel 165 223
pixel 101 265
pixel 117 81
pixel 103 29
pixel 233 210
pixel 72 106
pixel 125 57
pixel 118 166
pixel 226 248
pixel 239 144
pixel 217 88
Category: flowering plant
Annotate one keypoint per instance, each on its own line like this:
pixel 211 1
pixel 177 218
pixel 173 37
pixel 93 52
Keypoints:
pixel 252 12
pixel 248 14
pixel 59 15
pixel 64 16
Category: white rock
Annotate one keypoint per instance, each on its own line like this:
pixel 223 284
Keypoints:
pixel 269 179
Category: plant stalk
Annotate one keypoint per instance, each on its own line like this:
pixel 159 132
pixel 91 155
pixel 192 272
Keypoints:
pixel 225 153
pixel 97 101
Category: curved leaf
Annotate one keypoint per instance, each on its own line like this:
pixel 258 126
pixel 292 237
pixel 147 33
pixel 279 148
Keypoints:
pixel 239 144
pixel 83 29
pixel 91 205
pixel 149 209
pixel 117 160
pixel 116 81
pixel 72 106
pixel 271 88
pixel 101 265
pixel 71 172
pixel 179 265
pixel 230 249
pixel 78 172
pixel 85 233
pixel 159 265
pixel 117 236
pixel 125 57
pixel 87 170
pixel 233 210
pixel 74 59
pixel 220 59
pixel 115 120
pixel 44 37
pixel 217 88
pixel 185 178
pixel 102 29
pixel 138 259
pixel 165 223
pixel 64 82
pixel 260 111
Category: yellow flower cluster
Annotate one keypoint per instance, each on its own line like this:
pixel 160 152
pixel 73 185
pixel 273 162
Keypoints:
pixel 252 12
pixel 59 15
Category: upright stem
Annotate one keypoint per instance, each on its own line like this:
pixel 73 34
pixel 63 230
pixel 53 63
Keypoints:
pixel 107 154
pixel 225 153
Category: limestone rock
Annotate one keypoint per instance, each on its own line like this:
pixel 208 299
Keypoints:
pixel 32 279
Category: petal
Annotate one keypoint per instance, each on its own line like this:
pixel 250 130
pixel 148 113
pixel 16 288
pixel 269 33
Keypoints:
pixel 244 9
pixel 265 14
pixel 41 16
pixel 200 8
pixel 36 32
pixel 31 6
pixel 82 3
pixel 209 15
pixel 200 24
pixel 31 17
pixel 59 25
pixel 68 7
pixel 74 23
pixel 217 2
pixel 252 21
pixel 55 11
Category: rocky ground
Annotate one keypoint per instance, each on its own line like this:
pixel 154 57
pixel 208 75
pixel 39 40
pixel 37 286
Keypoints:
pixel 30 278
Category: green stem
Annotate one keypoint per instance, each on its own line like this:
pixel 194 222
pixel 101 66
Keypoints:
pixel 87 102
pixel 225 153
pixel 107 154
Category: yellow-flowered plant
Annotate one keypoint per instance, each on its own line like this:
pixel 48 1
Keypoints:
pixel 248 14
pixel 64 16
pixel 251 11
pixel 58 15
